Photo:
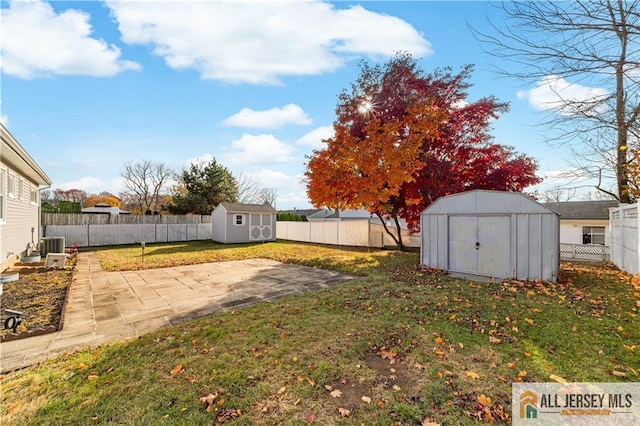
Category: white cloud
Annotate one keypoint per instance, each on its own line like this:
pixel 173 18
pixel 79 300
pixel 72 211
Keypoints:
pixel 554 93
pixel 201 159
pixel 258 149
pixel 89 184
pixel 261 42
pixel 4 119
pixel 315 137
pixel 38 42
pixel 270 119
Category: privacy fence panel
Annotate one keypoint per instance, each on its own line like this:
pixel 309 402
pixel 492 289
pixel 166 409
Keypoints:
pixel 360 233
pixel 117 234
pixel 625 242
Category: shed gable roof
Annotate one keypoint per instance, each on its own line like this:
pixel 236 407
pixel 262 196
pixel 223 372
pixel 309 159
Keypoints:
pixel 246 208
pixel 481 201
pixel 585 210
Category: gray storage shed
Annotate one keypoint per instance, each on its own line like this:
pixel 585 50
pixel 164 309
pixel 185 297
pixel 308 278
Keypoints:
pixel 243 223
pixel 491 234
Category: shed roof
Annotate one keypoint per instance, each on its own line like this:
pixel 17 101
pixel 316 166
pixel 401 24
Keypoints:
pixel 481 201
pixel 246 208
pixel 592 210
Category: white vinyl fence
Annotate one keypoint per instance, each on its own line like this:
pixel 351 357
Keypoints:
pixel 595 252
pixel 356 232
pixel 625 241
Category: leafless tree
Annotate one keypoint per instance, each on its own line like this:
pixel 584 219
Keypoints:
pixel 592 46
pixel 250 192
pixel 146 180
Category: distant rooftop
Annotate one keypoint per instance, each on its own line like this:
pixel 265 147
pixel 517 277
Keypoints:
pixel 594 210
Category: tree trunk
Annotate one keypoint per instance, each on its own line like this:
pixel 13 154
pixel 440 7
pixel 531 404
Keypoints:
pixel 398 239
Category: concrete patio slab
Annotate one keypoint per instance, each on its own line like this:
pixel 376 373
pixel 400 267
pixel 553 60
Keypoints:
pixel 105 307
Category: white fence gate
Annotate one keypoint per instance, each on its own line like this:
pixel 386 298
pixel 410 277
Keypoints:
pixel 625 242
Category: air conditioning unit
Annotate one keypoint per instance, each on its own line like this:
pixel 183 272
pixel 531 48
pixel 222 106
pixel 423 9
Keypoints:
pixel 51 245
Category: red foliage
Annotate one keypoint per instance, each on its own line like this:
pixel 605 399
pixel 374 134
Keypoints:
pixel 404 138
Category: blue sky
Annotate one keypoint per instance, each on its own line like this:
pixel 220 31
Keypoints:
pixel 89 86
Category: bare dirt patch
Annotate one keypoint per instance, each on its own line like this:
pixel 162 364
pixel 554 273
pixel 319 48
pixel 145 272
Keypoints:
pixel 39 294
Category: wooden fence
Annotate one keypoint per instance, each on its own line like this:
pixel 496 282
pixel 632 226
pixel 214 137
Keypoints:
pixel 121 219
pixel 91 230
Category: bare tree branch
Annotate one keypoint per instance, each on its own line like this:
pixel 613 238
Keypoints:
pixel 595 44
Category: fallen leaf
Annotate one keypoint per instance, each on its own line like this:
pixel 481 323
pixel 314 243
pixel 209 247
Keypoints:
pixel 390 354
pixel 92 377
pixel 328 387
pixel 282 390
pixel 12 407
pixel 484 400
pixel 336 393
pixel 531 293
pixel 177 369
pixel 311 417
pixel 522 373
pixel 529 321
pixel 461 345
pixel 429 422
pixel 619 373
pixel 511 364
pixel 495 340
pixel 396 388
pixel 208 401
pixel 344 412
pixel 473 375
pixel 366 399
pixel 558 379
pixel 297 401
pixel 294 359
pixel 83 366
pixel 439 340
pixel 311 381
pixel 629 348
pixel 183 409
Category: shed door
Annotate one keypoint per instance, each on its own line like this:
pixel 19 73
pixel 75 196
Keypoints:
pixel 480 245
pixel 260 227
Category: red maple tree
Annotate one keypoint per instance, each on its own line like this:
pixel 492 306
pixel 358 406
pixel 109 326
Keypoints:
pixel 403 138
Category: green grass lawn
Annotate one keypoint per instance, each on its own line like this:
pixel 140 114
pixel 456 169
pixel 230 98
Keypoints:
pixel 401 344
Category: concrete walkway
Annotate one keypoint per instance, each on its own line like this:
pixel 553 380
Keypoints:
pixel 109 306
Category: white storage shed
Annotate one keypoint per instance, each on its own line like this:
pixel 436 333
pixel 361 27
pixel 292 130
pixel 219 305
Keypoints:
pixel 491 234
pixel 243 223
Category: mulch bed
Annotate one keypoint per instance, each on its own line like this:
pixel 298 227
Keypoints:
pixel 40 294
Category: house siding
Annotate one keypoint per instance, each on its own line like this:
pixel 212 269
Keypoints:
pixel 21 216
pixel 237 233
pixel 571 230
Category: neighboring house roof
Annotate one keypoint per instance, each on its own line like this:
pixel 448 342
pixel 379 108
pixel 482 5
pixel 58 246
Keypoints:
pixel 12 153
pixel 585 210
pixel 303 212
pixel 246 208
pixel 325 214
pixel 104 209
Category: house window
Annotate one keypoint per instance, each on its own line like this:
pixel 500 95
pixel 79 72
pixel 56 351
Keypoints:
pixel 35 194
pixel 3 195
pixel 20 189
pixel 238 219
pixel 11 186
pixel 593 235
